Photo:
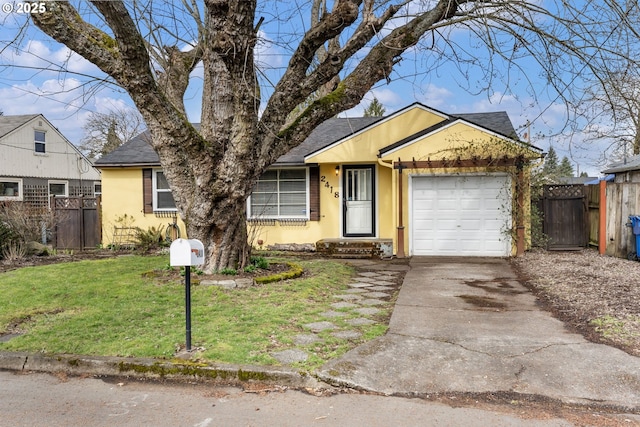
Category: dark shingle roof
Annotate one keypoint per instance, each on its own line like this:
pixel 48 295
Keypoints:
pixel 498 122
pixel 326 134
pixel 135 152
pixel 138 152
pixel 10 123
pixel 632 164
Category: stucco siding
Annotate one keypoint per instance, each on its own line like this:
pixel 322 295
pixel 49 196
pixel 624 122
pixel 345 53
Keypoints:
pixel 364 147
pixel 456 140
pixel 122 195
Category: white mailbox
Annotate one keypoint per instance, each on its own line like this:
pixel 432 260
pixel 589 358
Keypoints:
pixel 186 252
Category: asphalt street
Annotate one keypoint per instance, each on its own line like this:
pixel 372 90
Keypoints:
pixel 39 399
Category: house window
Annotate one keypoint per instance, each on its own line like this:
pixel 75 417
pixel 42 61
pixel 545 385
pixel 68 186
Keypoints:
pixel 10 189
pixel 162 197
pixel 280 193
pixel 59 188
pixel 40 139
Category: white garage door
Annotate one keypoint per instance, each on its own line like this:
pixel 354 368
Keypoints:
pixel 460 215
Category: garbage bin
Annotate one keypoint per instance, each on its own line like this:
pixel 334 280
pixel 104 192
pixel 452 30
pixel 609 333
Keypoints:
pixel 635 227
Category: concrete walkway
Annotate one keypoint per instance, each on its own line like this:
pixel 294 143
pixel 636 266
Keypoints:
pixel 469 326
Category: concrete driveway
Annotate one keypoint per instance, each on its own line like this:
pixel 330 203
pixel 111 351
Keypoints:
pixel 468 325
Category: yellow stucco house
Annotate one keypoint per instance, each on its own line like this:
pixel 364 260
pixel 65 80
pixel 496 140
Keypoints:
pixel 417 182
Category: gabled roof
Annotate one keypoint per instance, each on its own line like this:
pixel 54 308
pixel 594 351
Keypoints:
pixel 326 134
pixel 25 167
pixel 374 121
pixel 138 151
pixel 10 123
pixel 135 152
pixel 495 122
pixel 631 164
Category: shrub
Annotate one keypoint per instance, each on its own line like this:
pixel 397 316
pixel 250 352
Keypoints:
pixel 260 262
pixel 151 238
pixel 538 238
pixel 295 270
pixel 24 221
pixel 6 235
pixel 14 251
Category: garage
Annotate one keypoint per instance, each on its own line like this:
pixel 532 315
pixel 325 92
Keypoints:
pixel 461 215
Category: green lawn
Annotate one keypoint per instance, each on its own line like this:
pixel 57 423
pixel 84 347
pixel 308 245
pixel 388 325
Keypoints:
pixel 122 307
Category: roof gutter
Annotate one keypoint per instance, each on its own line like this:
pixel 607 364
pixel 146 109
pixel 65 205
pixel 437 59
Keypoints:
pixel 126 165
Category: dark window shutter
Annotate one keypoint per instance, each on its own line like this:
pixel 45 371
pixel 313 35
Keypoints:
pixel 314 193
pixel 147 191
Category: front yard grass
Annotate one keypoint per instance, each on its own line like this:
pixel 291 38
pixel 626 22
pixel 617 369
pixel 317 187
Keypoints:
pixel 114 307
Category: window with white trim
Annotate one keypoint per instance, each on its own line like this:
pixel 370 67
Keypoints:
pixel 10 189
pixel 162 197
pixel 59 188
pixel 40 141
pixel 281 193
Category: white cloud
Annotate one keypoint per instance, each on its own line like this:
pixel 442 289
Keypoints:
pixel 39 58
pixel 62 102
pixel 436 97
pixel 389 99
pixel 267 53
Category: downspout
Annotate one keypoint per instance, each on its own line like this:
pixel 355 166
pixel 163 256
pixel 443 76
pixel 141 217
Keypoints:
pixel 400 234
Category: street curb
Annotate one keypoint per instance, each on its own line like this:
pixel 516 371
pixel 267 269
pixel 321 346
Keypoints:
pixel 147 368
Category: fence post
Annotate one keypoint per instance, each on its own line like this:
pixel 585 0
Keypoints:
pixel 602 225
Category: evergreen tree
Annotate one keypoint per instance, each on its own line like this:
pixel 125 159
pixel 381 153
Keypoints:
pixel 113 140
pixel 375 109
pixel 550 168
pixel 566 168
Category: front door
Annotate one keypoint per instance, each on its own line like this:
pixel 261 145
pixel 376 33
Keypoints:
pixel 358 201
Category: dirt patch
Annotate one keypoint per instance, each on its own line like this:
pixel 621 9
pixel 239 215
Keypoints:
pixel 32 261
pixel 595 295
pixel 172 274
pixel 19 326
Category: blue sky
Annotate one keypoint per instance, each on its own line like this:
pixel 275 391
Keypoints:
pixel 67 101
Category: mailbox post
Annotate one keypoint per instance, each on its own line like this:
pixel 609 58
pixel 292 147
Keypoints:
pixel 185 253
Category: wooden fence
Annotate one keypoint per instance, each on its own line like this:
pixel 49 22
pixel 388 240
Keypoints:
pixel 565 227
pixel 623 199
pixel 77 222
pixel 593 213
pixel 565 217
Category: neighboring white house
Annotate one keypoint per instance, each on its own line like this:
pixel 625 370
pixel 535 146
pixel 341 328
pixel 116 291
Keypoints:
pixel 37 161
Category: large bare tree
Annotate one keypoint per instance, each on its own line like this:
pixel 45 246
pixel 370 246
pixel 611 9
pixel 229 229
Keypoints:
pixel 104 132
pixel 151 49
pixel 613 108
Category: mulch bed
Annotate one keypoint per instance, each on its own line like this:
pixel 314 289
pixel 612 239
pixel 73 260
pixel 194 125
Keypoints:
pixel 581 287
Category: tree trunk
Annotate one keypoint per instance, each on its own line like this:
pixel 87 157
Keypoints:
pixel 224 238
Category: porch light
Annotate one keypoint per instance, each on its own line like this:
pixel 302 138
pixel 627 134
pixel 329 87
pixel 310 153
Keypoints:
pixel 337 170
